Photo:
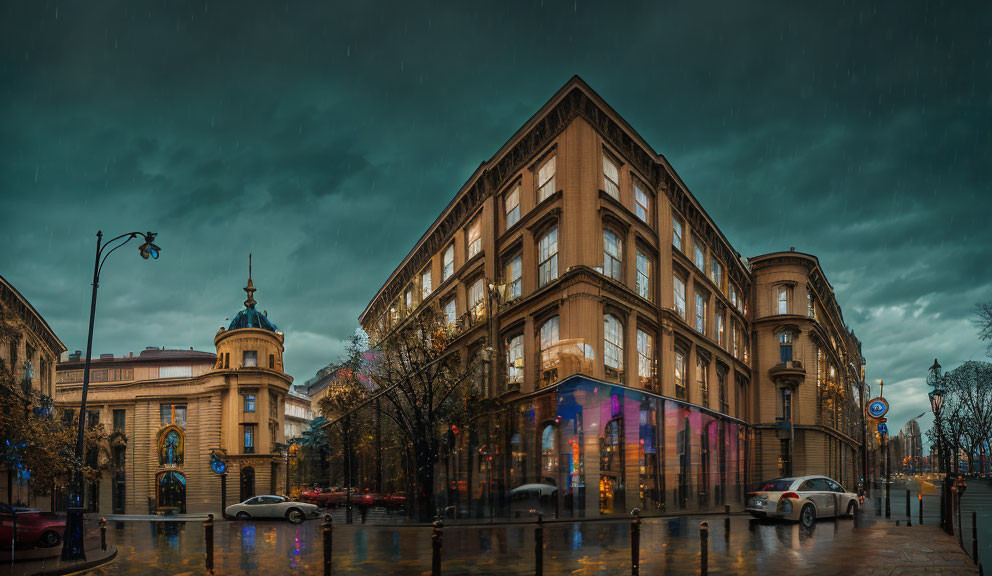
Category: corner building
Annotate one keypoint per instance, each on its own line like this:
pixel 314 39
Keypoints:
pixel 168 412
pixel 620 314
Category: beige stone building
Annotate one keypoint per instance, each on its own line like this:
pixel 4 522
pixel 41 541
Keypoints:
pixel 169 412
pixel 623 322
pixel 30 356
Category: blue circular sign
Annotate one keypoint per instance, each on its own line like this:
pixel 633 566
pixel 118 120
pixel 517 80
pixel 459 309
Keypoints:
pixel 217 465
pixel 877 407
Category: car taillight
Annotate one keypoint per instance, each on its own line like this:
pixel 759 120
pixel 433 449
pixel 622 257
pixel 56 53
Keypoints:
pixel 790 495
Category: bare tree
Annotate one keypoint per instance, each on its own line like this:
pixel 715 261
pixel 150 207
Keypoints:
pixel 983 322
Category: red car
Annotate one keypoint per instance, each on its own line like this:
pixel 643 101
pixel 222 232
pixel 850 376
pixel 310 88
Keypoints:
pixel 34 528
pixel 394 500
pixel 367 499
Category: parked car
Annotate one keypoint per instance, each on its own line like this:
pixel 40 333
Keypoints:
pixel 802 499
pixel 394 500
pixel 270 506
pixel 34 528
pixel 367 499
pixel 533 498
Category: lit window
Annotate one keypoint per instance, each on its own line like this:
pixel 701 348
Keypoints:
pixel 643 275
pixel 408 298
pixel 645 360
pixel 476 298
pixel 700 313
pixel 249 403
pixel 612 255
pixel 514 276
pixel 511 206
pixel 699 253
pixel 641 202
pixel 783 300
pixel 676 232
pixel 679 286
pixel 548 343
pixel 425 283
pixel 810 306
pixel 702 380
pixel 450 316
pixel 735 336
pixel 716 272
pixel 475 237
pixel 546 180
pixel 733 295
pixel 718 329
pixel 515 359
pixel 612 346
pixel 680 391
pixel 249 359
pixel 547 256
pixel 611 178
pixel 448 260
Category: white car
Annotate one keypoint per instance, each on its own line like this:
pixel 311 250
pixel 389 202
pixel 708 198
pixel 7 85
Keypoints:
pixel 273 507
pixel 804 498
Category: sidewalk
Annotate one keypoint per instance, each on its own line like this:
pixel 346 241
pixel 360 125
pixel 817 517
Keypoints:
pixel 47 561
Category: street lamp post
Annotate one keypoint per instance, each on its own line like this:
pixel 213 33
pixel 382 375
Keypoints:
pixel 936 381
pixel 72 540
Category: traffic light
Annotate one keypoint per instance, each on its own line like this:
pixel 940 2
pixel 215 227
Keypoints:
pixel 149 248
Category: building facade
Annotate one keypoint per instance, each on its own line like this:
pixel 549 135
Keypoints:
pixel 170 413
pixel 623 319
pixel 29 351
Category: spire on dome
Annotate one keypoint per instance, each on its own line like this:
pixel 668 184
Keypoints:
pixel 250 288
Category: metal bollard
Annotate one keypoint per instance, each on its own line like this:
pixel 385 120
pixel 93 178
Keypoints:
pixel 328 531
pixel 974 536
pixel 704 553
pixel 436 537
pixel 103 533
pixel 909 511
pixel 539 546
pixel 208 536
pixel 920 496
pixel 635 542
pixel 726 525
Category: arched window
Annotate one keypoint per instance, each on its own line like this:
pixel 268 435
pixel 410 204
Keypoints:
pixel 171 448
pixel 171 492
pixel 549 456
pixel 612 346
pixel 548 341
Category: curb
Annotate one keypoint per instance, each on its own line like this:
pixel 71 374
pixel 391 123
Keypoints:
pixel 78 568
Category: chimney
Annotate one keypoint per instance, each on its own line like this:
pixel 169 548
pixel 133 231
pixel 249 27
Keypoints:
pixel 792 248
pixel 75 356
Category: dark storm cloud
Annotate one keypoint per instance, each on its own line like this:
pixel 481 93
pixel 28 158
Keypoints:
pixel 326 138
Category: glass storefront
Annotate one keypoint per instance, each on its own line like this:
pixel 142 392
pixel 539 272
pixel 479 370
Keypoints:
pixel 589 448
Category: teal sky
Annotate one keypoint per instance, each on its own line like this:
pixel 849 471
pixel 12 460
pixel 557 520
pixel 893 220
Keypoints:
pixel 325 137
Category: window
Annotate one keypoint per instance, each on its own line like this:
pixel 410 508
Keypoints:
pixel 171 448
pixel 175 372
pixel 679 286
pixel 92 418
pixel 272 442
pixel 700 313
pixel 511 206
pixel 783 300
pixel 119 420
pixel 718 330
pixel 448 262
pixel 735 337
pixel 680 391
pixel 273 405
pixel 645 360
pixel 677 232
pixel 515 359
pixel 716 272
pixel 699 252
pixel 642 206
pixel 547 257
pixel 549 455
pixel 702 380
pixel 810 307
pixel 548 343
pixel 249 403
pixel 172 414
pixel 612 255
pixel 408 299
pixel 477 298
pixel 475 237
pixel 546 180
pixel 272 361
pixel 786 404
pixel 643 275
pixel 249 359
pixel 249 438
pixel 785 346
pixel 613 346
pixel 722 383
pixel 425 284
pixel 611 177
pixel 227 360
pixel 514 277
pixel 450 315
pixel 732 293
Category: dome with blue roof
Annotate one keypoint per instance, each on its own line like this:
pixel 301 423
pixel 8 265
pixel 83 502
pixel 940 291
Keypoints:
pixel 250 317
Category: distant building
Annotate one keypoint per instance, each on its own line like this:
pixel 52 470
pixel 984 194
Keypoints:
pixel 168 412
pixel 299 414
pixel 30 356
pixel 910 442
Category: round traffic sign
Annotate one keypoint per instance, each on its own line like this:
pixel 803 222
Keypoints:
pixel 877 407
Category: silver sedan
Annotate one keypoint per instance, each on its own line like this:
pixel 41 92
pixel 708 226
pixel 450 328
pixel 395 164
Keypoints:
pixel 802 499
pixel 273 507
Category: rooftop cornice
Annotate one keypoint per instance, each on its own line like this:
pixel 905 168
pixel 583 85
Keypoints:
pixel 19 305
